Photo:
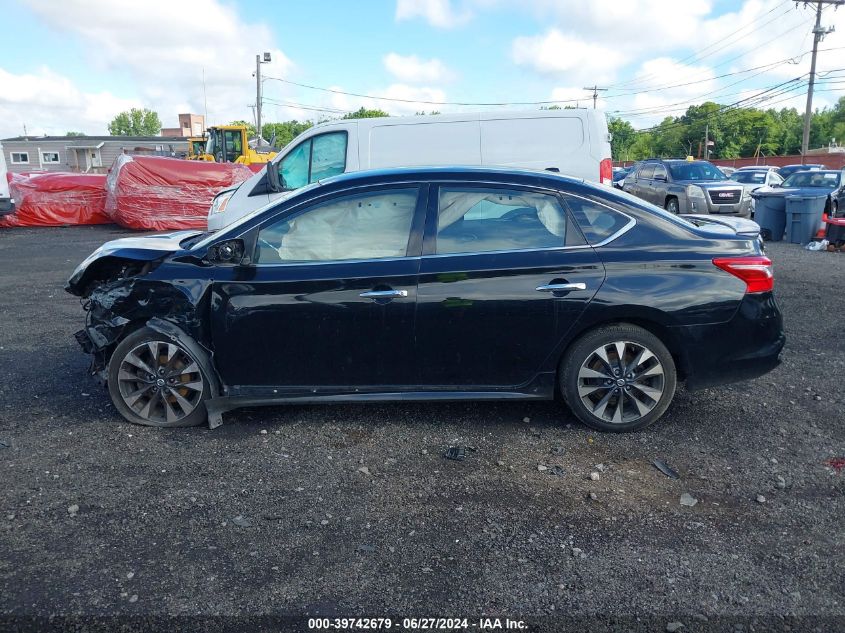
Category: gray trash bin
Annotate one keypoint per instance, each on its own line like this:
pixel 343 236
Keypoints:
pixel 803 217
pixel 770 214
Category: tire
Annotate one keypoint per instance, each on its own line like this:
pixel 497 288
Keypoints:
pixel 672 205
pixel 165 388
pixel 646 389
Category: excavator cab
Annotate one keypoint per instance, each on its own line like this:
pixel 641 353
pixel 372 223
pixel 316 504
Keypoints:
pixel 225 144
pixel 196 147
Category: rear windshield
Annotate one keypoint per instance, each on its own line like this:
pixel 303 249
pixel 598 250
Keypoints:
pixel 821 179
pixel 695 171
pixel 749 176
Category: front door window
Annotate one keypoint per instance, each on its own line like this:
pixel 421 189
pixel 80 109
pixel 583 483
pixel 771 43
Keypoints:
pixel 370 225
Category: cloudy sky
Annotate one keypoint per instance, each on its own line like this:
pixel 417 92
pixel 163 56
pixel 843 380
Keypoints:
pixel 72 65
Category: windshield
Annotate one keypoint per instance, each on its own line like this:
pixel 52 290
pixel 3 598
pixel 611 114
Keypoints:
pixel 821 179
pixel 695 171
pixel 748 176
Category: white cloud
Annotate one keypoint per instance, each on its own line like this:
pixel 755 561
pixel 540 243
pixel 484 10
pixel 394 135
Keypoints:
pixel 438 13
pixel 48 103
pixel 555 53
pixel 632 27
pixel 412 69
pixel 165 59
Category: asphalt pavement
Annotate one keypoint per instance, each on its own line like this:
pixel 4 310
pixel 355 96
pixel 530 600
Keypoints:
pixel 353 511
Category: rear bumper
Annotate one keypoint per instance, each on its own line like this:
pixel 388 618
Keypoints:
pixel 746 347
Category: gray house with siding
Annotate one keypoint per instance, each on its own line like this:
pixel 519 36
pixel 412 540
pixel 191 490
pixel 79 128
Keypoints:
pixel 85 154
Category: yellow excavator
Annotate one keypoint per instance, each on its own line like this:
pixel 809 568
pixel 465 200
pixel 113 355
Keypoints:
pixel 196 147
pixel 229 144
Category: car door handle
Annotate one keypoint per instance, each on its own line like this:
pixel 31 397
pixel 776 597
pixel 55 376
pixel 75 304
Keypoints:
pixel 561 287
pixel 384 294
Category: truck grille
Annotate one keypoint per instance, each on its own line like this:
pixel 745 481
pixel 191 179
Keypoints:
pixel 725 196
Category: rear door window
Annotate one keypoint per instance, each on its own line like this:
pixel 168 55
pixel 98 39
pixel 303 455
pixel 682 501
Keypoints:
pixel 646 172
pixel 480 219
pixel 597 222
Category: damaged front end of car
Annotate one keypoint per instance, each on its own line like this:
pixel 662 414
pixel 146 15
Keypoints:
pixel 120 292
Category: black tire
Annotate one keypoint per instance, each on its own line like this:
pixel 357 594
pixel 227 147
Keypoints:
pixel 672 205
pixel 656 373
pixel 176 390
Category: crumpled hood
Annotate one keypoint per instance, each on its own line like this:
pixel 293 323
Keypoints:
pixel 141 248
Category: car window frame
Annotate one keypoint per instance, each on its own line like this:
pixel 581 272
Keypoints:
pixel 665 172
pixel 429 246
pixel 413 247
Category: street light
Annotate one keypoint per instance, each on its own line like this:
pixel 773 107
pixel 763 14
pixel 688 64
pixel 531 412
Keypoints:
pixel 258 62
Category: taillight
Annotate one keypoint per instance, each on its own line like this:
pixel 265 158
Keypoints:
pixel 606 172
pixel 755 271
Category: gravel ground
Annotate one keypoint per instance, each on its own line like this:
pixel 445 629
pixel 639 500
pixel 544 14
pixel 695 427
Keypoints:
pixel 352 510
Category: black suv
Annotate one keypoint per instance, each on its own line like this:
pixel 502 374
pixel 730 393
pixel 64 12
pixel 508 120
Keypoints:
pixel 684 186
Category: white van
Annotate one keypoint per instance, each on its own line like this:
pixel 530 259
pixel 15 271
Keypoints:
pixel 573 142
pixel 7 205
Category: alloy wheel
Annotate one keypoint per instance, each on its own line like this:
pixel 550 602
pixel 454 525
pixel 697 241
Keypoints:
pixel 160 382
pixel 620 382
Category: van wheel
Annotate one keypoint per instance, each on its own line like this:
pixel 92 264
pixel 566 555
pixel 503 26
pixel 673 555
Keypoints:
pixel 672 205
pixel 618 378
pixel 156 382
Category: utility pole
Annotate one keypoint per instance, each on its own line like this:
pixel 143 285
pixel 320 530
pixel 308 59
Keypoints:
pixel 707 142
pixel 818 34
pixel 258 62
pixel 596 91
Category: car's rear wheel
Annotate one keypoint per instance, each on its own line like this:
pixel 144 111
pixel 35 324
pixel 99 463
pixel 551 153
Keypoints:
pixel 156 382
pixel 672 205
pixel 618 378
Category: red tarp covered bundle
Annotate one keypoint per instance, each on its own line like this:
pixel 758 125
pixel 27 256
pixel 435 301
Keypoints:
pixel 56 199
pixel 156 193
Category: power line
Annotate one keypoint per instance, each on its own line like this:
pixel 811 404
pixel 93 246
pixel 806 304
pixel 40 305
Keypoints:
pixel 697 55
pixel 721 109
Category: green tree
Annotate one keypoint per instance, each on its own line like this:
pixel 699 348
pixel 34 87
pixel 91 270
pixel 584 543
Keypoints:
pixel 285 132
pixel 250 128
pixel 622 137
pixel 135 122
pixel 74 133
pixel 364 113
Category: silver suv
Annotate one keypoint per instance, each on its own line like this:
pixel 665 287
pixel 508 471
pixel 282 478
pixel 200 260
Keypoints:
pixel 682 186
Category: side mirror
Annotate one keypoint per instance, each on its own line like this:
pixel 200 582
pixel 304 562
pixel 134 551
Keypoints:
pixel 226 252
pixel 273 179
pixel 775 185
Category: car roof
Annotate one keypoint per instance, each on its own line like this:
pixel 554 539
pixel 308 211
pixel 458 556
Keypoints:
pixel 452 172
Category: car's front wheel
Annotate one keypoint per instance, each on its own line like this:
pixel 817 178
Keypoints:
pixel 156 382
pixel 618 378
pixel 672 205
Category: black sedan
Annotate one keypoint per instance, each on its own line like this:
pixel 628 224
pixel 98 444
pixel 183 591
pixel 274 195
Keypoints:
pixel 430 284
